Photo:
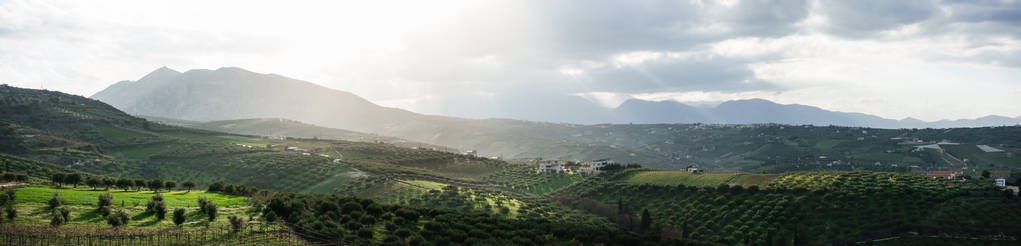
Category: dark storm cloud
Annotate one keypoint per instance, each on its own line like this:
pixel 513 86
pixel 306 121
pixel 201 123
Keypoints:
pixel 533 40
pixel 980 17
pixel 864 18
pixel 694 73
pixel 595 28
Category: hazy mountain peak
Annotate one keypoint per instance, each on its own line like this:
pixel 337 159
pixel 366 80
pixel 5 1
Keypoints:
pixel 230 93
pixel 160 74
pixel 234 70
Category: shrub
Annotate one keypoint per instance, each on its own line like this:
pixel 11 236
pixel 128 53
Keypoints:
pixel 11 211
pixel 105 211
pixel 179 216
pixel 203 203
pixel 65 213
pixel 235 222
pixel 105 200
pixel 211 211
pixel 56 201
pixel 270 216
pixel 157 206
pixel 117 219
pixel 57 219
pixel 10 195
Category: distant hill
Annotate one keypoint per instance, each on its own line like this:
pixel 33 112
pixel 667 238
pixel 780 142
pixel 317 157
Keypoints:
pixel 234 93
pixel 46 131
pixel 754 111
pixel 285 128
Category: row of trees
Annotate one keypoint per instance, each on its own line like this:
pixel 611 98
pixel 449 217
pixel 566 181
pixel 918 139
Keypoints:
pixel 11 177
pixel 156 206
pixel 350 220
pixel 127 184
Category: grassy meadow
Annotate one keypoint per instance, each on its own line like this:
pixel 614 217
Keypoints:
pixel 32 204
pixel 674 178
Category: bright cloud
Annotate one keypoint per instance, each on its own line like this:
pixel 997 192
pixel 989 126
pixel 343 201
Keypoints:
pixel 928 59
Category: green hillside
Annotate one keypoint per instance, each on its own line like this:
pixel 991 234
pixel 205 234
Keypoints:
pixel 283 128
pixel 57 132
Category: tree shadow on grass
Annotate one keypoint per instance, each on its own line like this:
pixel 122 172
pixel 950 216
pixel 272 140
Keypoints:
pixel 150 222
pixel 92 216
pixel 40 210
pixel 176 193
pixel 143 215
pixel 197 215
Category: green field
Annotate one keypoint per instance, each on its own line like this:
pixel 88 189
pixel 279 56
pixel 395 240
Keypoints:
pixel 32 203
pixel 428 184
pixel 680 177
pixel 340 177
pixel 982 158
pixel 88 197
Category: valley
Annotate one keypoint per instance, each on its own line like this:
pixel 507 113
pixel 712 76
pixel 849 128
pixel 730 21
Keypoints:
pixel 287 182
pixel 510 122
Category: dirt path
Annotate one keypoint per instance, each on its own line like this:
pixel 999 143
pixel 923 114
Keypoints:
pixel 11 185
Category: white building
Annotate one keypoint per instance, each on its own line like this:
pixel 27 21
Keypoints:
pixel 600 163
pixel 471 153
pixel 1001 182
pixel 592 167
pixel 550 165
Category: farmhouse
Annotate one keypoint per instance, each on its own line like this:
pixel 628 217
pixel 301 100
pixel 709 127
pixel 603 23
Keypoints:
pixel 471 153
pixel 694 170
pixel 550 165
pixel 943 174
pixel 1001 182
pixel 296 149
pixel 592 167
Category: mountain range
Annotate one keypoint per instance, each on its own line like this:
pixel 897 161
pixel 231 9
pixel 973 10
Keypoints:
pixel 234 93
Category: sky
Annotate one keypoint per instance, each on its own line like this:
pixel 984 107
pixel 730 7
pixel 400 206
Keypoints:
pixel 929 60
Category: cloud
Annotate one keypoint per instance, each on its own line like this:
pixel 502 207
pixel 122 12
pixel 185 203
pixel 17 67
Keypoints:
pixel 652 71
pixel 512 58
pixel 864 18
